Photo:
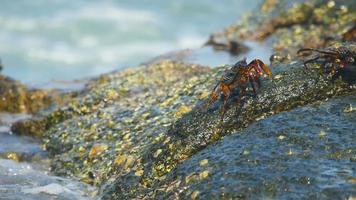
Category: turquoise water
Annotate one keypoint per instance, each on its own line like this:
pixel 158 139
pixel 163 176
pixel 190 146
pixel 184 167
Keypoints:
pixel 55 40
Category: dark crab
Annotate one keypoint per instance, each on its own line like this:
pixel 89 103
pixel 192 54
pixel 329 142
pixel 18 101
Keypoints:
pixel 337 58
pixel 238 76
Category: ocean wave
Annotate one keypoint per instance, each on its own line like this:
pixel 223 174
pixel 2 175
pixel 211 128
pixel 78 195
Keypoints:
pixel 62 18
pixel 107 12
pixel 72 39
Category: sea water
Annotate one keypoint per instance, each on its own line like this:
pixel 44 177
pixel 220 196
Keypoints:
pixel 62 40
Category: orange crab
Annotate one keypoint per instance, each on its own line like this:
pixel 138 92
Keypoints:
pixel 238 76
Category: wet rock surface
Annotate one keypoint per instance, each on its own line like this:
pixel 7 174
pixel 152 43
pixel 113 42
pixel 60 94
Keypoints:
pixel 293 85
pixel 129 130
pixel 308 152
pixel 106 129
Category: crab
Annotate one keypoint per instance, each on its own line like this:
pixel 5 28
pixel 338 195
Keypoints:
pixel 338 58
pixel 238 76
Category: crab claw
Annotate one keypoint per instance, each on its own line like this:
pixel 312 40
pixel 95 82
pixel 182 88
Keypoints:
pixel 257 64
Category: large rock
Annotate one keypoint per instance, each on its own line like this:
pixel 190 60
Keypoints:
pixel 130 129
pixel 135 130
pixel 306 153
pixel 293 86
pixel 105 130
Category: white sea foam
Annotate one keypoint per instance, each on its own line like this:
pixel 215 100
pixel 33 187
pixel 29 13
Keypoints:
pixel 65 39
pixel 52 188
pixel 24 180
pixel 18 24
pixel 190 41
pixel 61 53
pixel 106 11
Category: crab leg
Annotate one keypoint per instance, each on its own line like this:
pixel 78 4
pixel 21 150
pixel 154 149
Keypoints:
pixel 326 58
pixel 252 84
pixel 334 53
pixel 213 96
pixel 311 60
pixel 257 68
pixel 241 94
pixel 257 80
pixel 226 93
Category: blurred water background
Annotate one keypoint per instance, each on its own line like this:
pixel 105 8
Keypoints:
pixel 49 40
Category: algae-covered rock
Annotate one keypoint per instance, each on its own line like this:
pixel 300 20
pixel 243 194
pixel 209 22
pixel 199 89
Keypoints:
pixel 15 97
pixel 106 129
pixel 289 25
pixel 131 129
pixel 293 85
pixel 144 133
pixel 307 153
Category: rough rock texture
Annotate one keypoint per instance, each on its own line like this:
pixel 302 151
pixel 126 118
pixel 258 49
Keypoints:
pixel 293 85
pixel 105 130
pixel 133 132
pixel 130 129
pixel 16 97
pixel 307 153
pixel 289 25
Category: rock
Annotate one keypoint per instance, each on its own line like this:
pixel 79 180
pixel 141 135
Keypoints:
pixel 96 150
pixel 290 25
pixel 126 112
pixel 295 86
pixel 232 46
pixel 302 165
pixel 151 127
pixel 34 127
pixel 145 127
pixel 16 97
